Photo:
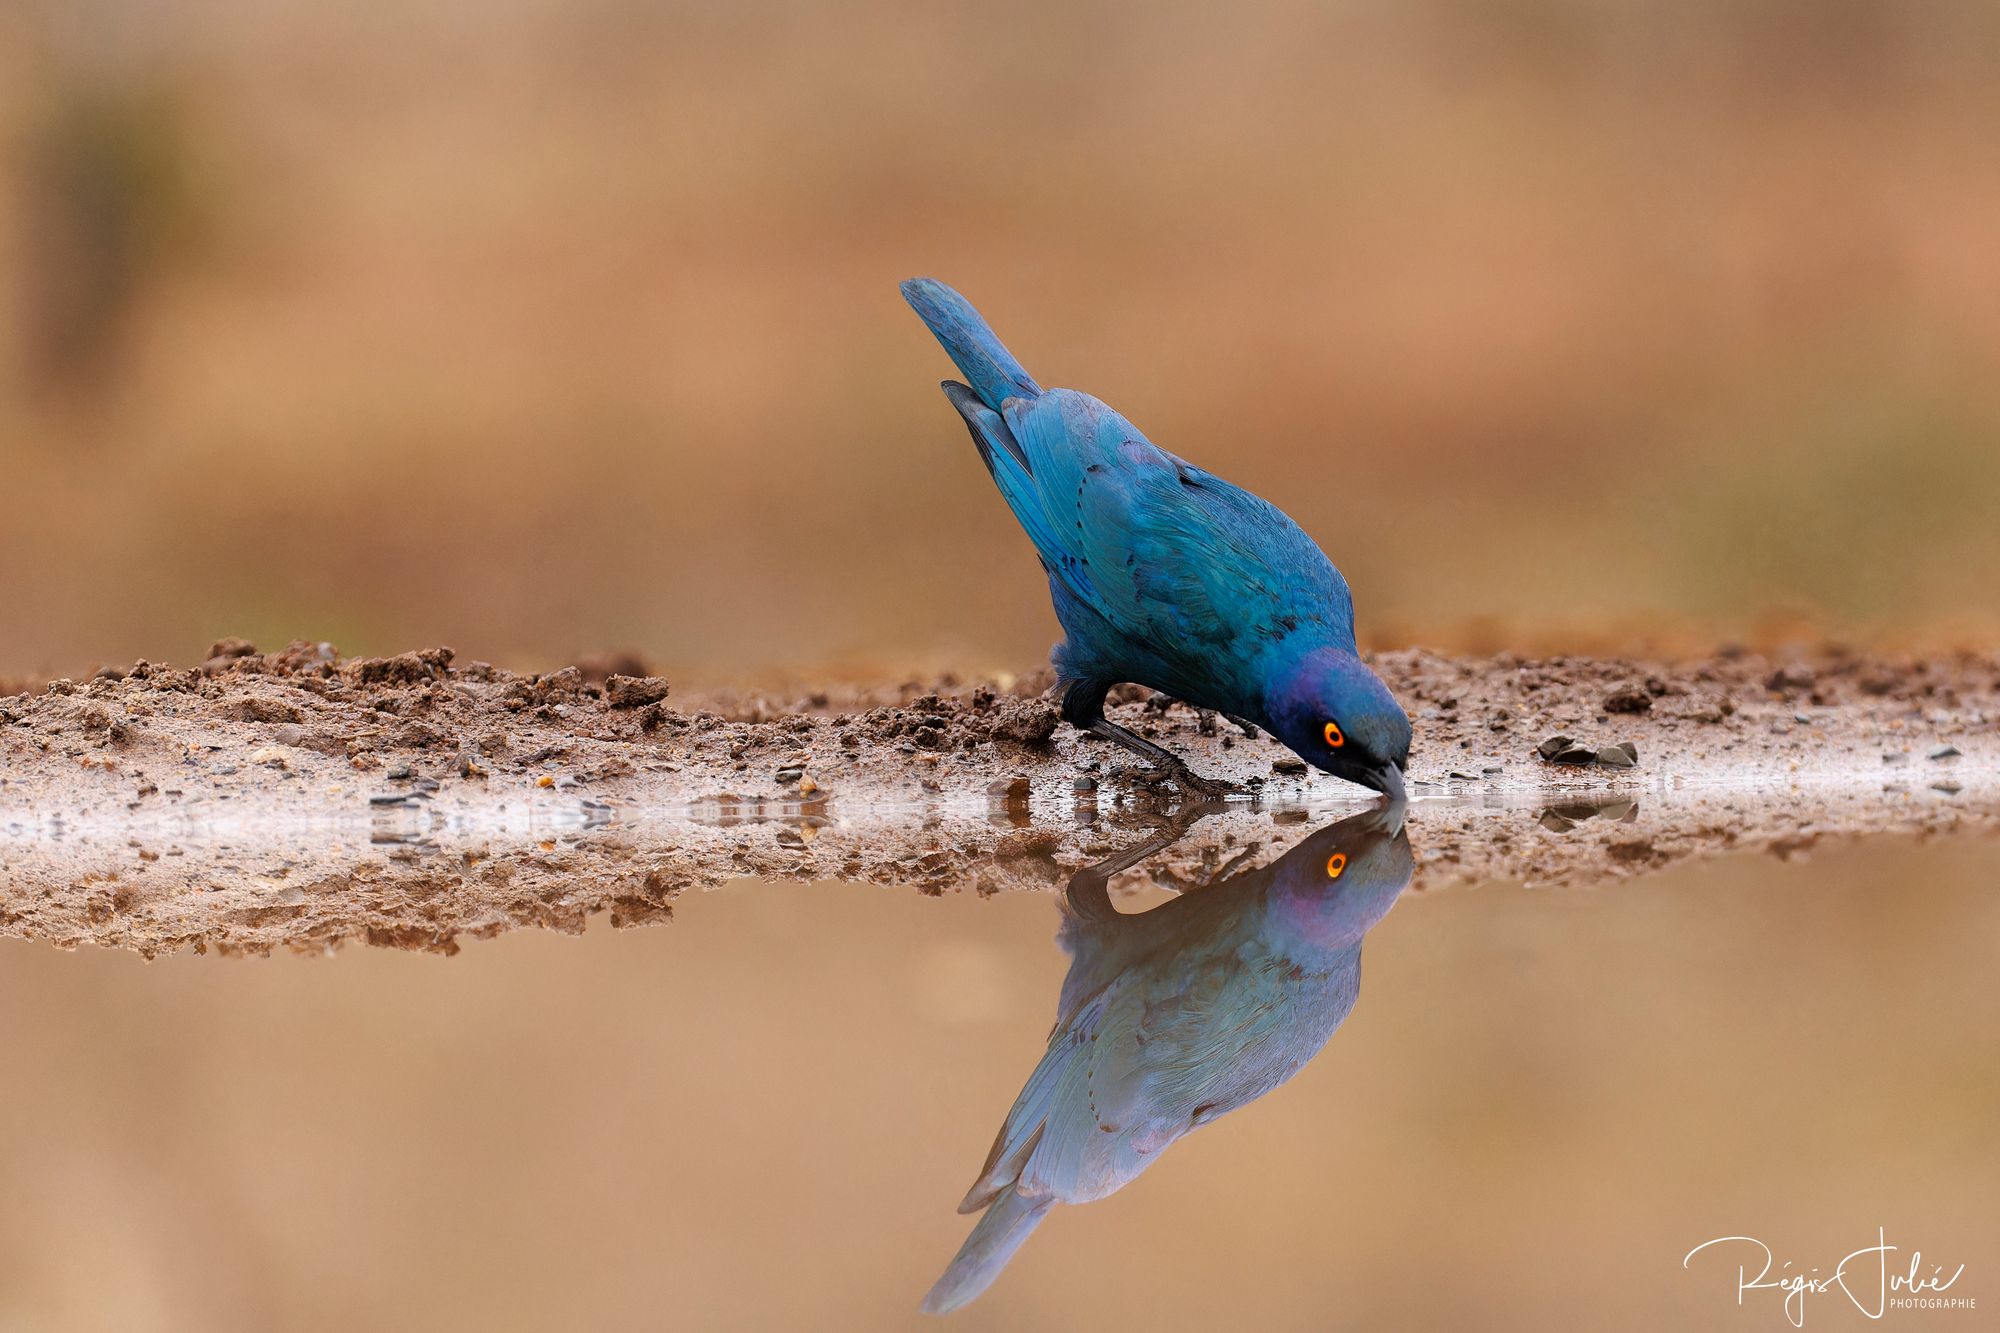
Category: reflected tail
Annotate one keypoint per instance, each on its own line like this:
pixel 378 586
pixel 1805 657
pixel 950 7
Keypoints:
pixel 1006 1223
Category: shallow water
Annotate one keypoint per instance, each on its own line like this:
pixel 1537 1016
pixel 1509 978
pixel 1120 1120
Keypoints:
pixel 765 1113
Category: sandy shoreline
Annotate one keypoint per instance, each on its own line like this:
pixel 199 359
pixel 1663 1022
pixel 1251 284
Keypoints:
pixel 297 799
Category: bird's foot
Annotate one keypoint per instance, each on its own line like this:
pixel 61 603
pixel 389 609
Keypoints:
pixel 1195 786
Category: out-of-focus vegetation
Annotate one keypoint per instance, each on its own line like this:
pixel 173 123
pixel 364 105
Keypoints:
pixel 540 328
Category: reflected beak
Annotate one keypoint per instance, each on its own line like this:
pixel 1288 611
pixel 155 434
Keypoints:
pixel 1392 812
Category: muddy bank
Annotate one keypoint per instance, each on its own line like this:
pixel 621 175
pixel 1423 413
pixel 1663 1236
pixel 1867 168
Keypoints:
pixel 432 878
pixel 304 727
pixel 298 799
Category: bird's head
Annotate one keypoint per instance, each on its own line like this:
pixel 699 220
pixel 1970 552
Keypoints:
pixel 1338 715
pixel 1337 883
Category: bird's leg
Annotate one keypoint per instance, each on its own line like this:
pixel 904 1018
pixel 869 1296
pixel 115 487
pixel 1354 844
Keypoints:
pixel 1083 708
pixel 1089 889
pixel 1168 763
pixel 1231 866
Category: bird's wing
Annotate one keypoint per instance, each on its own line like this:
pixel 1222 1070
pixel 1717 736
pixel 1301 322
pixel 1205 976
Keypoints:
pixel 1166 1049
pixel 1028 1120
pixel 1232 1037
pixel 1171 555
pixel 1273 1021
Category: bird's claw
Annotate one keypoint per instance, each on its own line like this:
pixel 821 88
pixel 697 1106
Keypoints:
pixel 1198 787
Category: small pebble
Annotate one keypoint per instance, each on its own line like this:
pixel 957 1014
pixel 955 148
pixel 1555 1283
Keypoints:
pixel 1797 676
pixel 1553 746
pixel 1289 767
pixel 545 781
pixel 1943 752
pixel 1009 789
pixel 1628 700
pixel 634 691
pixel 790 775
pixel 1083 784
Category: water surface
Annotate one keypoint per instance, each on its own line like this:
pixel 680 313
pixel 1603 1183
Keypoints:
pixel 765 1113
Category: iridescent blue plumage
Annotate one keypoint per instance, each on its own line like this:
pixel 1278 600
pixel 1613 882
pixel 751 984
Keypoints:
pixel 1173 1017
pixel 1167 575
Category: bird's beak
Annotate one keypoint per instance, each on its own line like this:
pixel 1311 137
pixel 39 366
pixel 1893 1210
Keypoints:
pixel 1388 780
pixel 1391 813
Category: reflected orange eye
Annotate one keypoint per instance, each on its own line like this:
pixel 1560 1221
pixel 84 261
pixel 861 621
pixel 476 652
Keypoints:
pixel 1335 737
pixel 1335 864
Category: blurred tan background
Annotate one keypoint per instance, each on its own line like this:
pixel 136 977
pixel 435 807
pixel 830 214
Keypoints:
pixel 544 329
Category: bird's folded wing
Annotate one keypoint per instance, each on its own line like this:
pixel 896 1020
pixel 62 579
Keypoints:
pixel 1170 554
pixel 1169 1049
pixel 1026 1128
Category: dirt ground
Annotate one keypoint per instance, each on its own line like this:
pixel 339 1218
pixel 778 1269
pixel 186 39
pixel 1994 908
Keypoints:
pixel 298 799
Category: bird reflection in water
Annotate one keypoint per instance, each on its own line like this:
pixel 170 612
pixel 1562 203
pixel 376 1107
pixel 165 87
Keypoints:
pixel 1171 1017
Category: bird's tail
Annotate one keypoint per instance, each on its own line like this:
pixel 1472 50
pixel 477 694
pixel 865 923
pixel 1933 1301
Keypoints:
pixel 988 366
pixel 1008 1221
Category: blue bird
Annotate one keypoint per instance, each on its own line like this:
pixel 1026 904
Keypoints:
pixel 1168 576
pixel 1172 1017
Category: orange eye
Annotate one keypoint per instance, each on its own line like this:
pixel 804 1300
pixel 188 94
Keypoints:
pixel 1335 737
pixel 1335 864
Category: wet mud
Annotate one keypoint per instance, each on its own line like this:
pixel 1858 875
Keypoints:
pixel 300 800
